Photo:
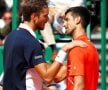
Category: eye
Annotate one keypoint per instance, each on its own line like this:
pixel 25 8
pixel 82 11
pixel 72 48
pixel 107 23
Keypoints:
pixel 46 16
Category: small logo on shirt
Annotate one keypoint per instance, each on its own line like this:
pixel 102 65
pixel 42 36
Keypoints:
pixel 74 67
pixel 37 57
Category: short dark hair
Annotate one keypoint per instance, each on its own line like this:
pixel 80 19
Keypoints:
pixel 83 12
pixel 27 7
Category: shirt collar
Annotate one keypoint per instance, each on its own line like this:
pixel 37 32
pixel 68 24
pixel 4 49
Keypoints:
pixel 28 28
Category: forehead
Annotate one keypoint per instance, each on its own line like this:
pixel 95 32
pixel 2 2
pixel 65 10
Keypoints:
pixel 68 16
pixel 7 13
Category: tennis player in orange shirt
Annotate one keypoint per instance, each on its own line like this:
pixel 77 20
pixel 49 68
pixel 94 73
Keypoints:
pixel 83 63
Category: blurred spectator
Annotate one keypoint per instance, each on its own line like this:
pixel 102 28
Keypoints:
pixel 2 10
pixel 94 8
pixel 6 29
pixel 7 17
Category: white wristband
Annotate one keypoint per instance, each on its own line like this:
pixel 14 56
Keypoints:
pixel 60 56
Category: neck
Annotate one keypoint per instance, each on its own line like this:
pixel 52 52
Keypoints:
pixel 78 32
pixel 30 25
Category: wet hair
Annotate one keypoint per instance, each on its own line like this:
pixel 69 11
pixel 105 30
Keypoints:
pixel 27 7
pixel 83 12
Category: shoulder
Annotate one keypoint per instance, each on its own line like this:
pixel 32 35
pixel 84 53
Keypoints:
pixel 77 49
pixel 77 52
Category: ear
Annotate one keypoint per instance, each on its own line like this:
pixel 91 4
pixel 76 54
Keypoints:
pixel 77 20
pixel 34 17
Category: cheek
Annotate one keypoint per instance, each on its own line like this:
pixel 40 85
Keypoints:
pixel 69 26
pixel 43 21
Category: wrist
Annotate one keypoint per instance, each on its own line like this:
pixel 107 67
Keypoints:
pixel 66 48
pixel 60 56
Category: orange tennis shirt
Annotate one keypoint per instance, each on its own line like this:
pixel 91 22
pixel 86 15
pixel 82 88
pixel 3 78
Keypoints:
pixel 83 61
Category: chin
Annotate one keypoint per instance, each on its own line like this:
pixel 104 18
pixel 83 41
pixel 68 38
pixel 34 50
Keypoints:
pixel 41 28
pixel 68 33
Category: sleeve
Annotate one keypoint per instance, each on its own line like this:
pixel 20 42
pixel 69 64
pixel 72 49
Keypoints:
pixel 76 62
pixel 34 55
pixel 37 56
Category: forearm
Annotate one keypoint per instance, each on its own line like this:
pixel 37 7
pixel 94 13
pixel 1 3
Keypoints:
pixel 78 87
pixel 48 72
pixel 78 83
pixel 61 75
pixel 52 70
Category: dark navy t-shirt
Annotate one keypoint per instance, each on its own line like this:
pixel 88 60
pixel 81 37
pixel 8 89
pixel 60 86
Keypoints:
pixel 21 52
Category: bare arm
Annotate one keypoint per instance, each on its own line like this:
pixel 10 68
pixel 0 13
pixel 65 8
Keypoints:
pixel 49 73
pixel 61 75
pixel 78 83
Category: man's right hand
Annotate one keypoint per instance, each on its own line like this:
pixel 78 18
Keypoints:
pixel 73 44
